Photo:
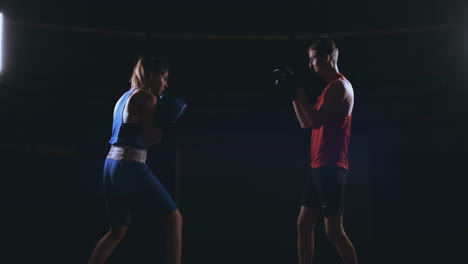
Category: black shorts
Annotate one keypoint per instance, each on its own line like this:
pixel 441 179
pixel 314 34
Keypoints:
pixel 324 189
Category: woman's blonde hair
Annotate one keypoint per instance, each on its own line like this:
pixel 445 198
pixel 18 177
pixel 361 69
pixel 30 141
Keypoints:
pixel 144 67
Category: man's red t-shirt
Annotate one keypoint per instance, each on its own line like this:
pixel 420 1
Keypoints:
pixel 329 143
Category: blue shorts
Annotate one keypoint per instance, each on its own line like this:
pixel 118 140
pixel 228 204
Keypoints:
pixel 129 186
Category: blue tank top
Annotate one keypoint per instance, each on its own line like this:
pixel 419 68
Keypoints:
pixel 125 134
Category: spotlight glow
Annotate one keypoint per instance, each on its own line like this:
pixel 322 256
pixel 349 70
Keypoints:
pixel 1 40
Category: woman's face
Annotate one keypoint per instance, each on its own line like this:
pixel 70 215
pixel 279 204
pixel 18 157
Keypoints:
pixel 158 83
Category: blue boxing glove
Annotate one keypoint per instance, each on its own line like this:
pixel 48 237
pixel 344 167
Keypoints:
pixel 169 110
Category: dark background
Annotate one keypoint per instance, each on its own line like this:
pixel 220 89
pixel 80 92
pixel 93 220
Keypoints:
pixel 235 162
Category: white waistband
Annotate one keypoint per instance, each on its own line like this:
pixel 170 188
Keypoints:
pixel 127 153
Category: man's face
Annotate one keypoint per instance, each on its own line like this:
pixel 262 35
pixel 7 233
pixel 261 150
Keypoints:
pixel 316 62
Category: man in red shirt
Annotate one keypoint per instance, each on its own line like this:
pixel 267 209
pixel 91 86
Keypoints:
pixel 330 120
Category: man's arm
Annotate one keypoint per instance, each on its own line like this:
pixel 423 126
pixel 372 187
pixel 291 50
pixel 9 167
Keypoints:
pixel 306 113
pixel 300 111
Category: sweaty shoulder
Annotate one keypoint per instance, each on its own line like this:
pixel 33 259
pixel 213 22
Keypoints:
pixel 140 101
pixel 143 96
pixel 348 95
pixel 347 85
pixel 341 86
pixel 342 90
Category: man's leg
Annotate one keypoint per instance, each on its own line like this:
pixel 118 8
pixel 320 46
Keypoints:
pixel 335 232
pixel 106 245
pixel 173 228
pixel 306 222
